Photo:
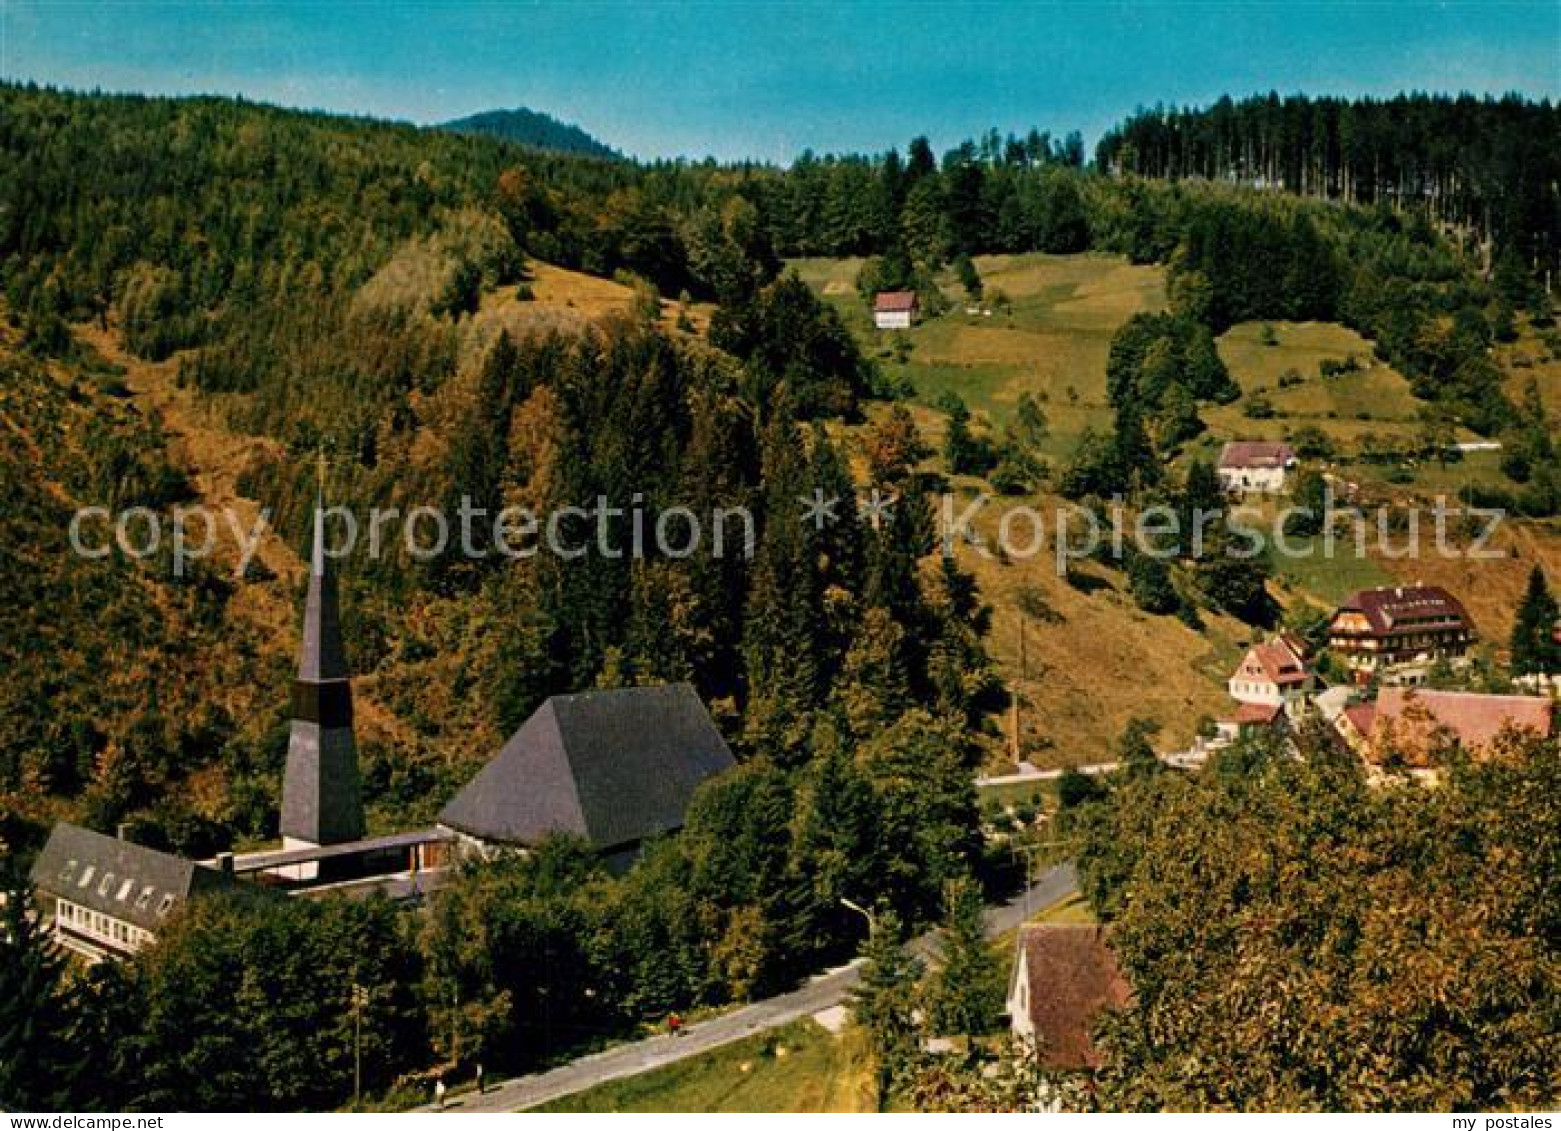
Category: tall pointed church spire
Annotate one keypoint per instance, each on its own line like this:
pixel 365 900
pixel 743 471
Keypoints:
pixel 321 794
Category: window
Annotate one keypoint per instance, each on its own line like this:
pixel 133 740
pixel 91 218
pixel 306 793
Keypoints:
pixel 125 889
pixel 165 906
pixel 68 872
pixel 86 876
pixel 144 900
pixel 106 885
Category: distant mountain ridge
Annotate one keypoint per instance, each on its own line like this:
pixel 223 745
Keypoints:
pixel 535 129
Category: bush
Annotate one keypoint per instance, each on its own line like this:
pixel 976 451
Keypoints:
pixel 1258 406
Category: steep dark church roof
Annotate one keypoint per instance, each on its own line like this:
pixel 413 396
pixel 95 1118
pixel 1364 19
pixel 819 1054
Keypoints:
pixel 115 877
pixel 613 766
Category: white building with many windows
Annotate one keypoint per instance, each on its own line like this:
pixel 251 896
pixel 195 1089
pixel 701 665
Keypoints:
pixel 107 898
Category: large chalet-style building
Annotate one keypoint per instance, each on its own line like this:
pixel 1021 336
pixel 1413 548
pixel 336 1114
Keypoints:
pixel 1399 631
pixel 1064 977
pixel 615 767
pixel 1255 467
pixel 894 310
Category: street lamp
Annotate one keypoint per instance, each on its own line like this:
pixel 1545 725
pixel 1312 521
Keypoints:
pixel 872 920
pixel 360 1001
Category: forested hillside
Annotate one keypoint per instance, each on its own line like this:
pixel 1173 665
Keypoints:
pixel 1490 166
pixel 326 281
pixel 396 298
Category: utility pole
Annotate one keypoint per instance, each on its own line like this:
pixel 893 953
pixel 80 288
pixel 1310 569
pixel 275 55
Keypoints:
pixel 1030 852
pixel 360 1001
pixel 1014 740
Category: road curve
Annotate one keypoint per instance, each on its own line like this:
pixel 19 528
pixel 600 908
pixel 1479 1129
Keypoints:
pixel 819 993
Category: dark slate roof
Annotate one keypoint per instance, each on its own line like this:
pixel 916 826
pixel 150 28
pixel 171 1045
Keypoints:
pixel 612 766
pixel 1073 976
pixel 321 655
pixel 1408 608
pixel 117 877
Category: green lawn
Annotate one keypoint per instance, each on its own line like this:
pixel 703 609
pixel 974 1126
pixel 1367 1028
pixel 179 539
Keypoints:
pixel 800 1067
pixel 1328 578
pixel 1071 911
pixel 1042 793
pixel 1051 338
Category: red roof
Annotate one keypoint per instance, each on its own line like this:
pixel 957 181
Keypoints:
pixel 894 302
pixel 1407 607
pixel 1256 454
pixel 1278 662
pixel 1362 716
pixel 1474 720
pixel 1258 714
pixel 1072 977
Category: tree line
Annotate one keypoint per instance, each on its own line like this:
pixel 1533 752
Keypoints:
pixel 1488 165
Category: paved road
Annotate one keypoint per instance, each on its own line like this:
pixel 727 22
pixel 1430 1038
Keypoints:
pixel 821 992
pixel 1043 775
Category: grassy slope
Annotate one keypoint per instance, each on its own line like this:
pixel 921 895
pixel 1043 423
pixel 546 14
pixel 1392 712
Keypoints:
pixel 798 1068
pixel 1097 661
pixel 1104 661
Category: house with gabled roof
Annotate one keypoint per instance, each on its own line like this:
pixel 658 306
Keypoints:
pixel 1399 631
pixel 1407 727
pixel 1064 977
pixel 615 767
pixel 895 310
pixel 1255 466
pixel 108 897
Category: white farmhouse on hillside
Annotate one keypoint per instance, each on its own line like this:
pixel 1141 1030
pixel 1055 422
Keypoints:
pixel 894 310
pixel 1272 674
pixel 1255 466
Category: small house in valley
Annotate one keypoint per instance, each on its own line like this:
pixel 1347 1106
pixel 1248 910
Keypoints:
pixel 1273 673
pixel 1409 727
pixel 895 310
pixel 1255 467
pixel 1064 978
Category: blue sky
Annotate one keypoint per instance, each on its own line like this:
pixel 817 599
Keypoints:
pixel 767 80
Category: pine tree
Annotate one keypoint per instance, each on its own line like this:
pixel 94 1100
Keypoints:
pixel 1534 647
pixel 966 992
pixel 885 1000
pixel 36 1053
